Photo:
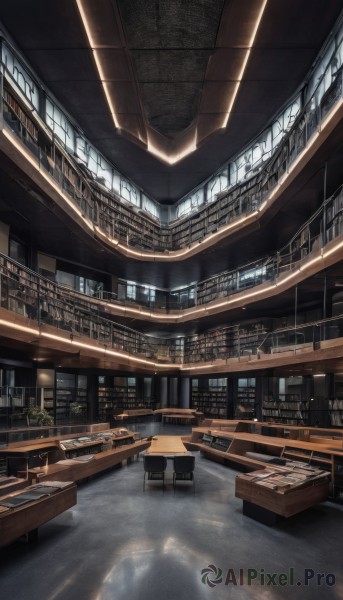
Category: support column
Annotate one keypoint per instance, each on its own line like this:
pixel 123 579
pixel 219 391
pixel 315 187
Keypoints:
pixel 185 392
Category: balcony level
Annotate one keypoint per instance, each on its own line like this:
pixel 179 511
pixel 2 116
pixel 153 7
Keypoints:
pixel 47 190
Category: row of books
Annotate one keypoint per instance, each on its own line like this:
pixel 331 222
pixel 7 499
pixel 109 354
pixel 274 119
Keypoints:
pixel 31 494
pixel 293 475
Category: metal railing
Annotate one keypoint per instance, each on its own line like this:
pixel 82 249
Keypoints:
pixel 105 211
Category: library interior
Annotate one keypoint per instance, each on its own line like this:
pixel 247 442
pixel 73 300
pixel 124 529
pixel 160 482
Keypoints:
pixel 171 299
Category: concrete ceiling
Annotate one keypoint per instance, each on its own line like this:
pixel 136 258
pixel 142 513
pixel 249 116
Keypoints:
pixel 170 68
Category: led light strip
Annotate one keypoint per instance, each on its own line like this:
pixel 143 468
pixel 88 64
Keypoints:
pixel 244 64
pixel 98 64
pixel 170 159
pixel 131 358
pixel 184 253
pixel 72 342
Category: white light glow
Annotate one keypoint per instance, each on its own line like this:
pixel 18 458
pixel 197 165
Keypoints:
pixel 98 63
pixel 244 64
pixel 18 327
pixel 172 159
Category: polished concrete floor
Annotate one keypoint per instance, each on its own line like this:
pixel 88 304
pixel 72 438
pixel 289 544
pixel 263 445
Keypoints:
pixel 120 543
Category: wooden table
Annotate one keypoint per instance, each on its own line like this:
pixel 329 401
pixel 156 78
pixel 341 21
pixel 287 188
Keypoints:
pixel 168 445
pixel 180 419
pixel 26 519
pixel 266 505
pixel 25 453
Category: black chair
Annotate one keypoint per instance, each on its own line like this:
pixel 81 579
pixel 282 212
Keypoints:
pixel 155 465
pixel 184 469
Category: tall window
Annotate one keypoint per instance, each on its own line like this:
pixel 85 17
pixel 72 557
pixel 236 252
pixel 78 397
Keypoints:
pixel 17 251
pixel 131 290
pixel 60 125
pixel 21 77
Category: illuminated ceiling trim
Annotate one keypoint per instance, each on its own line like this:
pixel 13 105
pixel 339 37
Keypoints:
pixel 244 63
pixel 174 157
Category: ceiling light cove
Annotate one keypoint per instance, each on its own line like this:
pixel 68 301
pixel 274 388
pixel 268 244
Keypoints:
pixel 191 77
pixel 245 62
pixel 172 159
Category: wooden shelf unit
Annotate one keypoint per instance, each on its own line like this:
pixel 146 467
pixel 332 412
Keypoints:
pixel 292 412
pixel 210 399
pixel 251 450
pixel 245 407
pixel 26 518
pixel 286 501
pixel 116 396
pixel 336 412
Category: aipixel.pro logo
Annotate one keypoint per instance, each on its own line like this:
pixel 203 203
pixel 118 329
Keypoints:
pixel 211 576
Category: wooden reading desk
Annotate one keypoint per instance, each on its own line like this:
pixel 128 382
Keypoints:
pixel 167 445
pixel 26 518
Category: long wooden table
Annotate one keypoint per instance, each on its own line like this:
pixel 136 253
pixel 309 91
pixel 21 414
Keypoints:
pixel 168 445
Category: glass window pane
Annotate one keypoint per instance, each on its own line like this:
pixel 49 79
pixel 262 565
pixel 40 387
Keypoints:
pixel 17 251
pixel 150 207
pixel 129 192
pixel 21 77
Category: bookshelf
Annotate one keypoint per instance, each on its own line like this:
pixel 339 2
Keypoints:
pixel 334 217
pixel 17 117
pixel 117 394
pixel 336 412
pixel 49 400
pixel 210 345
pixel 271 411
pixel 134 226
pixel 210 396
pixel 245 399
pixel 105 403
pixel 251 337
pixel 291 411
pixel 64 397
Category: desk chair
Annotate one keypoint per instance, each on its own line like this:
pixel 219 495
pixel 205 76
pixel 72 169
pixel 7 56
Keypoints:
pixel 155 465
pixel 184 469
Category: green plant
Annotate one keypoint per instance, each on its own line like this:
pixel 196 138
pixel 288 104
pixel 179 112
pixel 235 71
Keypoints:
pixel 75 408
pixel 38 416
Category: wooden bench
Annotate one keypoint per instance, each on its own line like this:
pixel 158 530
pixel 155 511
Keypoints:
pixel 133 414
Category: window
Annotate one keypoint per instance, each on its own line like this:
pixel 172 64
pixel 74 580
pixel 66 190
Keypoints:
pixel 131 290
pixel 104 172
pixel 291 113
pixel 320 69
pixel 21 77
pixel 244 382
pixel 129 192
pixel 253 276
pixel 220 382
pixel 150 293
pixel 192 202
pixel 195 384
pixel 82 149
pixel 217 184
pixel 79 283
pixel 150 207
pixel 17 251
pixel 184 208
pixel 56 120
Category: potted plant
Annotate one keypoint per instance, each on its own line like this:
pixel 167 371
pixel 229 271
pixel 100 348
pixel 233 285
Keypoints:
pixel 76 410
pixel 38 416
